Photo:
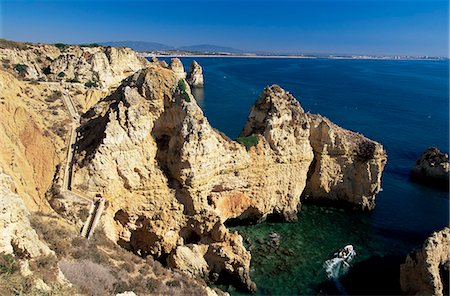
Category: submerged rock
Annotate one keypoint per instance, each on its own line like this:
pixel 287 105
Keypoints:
pixel 347 166
pixel 195 75
pixel 432 169
pixel 423 272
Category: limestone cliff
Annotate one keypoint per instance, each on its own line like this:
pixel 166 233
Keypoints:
pixel 17 235
pixel 347 166
pixel 195 75
pixel 173 180
pixel 35 124
pixel 425 272
pixel 101 66
pixel 32 134
pixel 170 180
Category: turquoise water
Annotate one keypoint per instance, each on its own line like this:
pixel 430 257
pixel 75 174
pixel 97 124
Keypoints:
pixel 402 104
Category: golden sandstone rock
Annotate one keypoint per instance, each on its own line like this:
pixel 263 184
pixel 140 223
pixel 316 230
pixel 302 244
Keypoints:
pixel 170 180
pixel 347 166
pixel 423 272
pixel 173 181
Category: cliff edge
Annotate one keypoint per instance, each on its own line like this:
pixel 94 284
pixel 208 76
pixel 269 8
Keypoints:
pixel 426 271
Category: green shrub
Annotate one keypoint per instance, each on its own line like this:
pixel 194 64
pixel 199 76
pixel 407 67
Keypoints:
pixel 8 264
pixel 21 68
pixel 60 45
pixel 91 83
pixel 61 74
pixel 73 80
pixel 182 86
pixel 248 141
pixel 46 70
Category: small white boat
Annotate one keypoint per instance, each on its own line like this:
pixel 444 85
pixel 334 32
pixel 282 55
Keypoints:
pixel 347 253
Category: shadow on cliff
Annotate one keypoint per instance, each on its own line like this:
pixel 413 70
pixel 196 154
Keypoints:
pixel 375 276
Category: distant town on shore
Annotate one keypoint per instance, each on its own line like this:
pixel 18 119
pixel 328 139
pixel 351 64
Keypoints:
pixel 153 49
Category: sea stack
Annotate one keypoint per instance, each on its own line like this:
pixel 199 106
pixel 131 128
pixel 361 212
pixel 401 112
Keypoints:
pixel 425 272
pixel 432 169
pixel 195 76
pixel 177 67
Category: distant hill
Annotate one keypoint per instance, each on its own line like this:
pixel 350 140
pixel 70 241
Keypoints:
pixel 139 45
pixel 209 48
pixel 152 46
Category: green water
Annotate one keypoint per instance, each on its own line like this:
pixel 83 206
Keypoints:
pixel 296 265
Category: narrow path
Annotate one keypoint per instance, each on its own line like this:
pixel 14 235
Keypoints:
pixel 97 204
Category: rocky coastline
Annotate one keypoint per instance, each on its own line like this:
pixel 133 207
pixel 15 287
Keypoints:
pixel 170 180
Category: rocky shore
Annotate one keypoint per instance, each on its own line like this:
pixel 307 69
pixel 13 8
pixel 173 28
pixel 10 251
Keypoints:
pixel 170 180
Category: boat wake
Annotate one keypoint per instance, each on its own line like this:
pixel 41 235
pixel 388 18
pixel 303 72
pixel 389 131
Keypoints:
pixel 339 265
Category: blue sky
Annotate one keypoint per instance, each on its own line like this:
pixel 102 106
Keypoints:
pixel 399 27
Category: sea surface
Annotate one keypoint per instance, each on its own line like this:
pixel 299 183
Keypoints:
pixel 402 104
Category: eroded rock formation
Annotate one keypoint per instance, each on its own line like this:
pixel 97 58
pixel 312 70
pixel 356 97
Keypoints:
pixel 347 166
pixel 171 181
pixel 432 169
pixel 195 75
pixel 425 272
pixel 177 68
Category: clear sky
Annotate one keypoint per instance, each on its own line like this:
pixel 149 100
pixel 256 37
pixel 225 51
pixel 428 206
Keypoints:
pixel 400 27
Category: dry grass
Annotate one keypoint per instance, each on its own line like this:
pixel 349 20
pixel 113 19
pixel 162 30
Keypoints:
pixel 13 283
pixel 56 236
pixel 13 44
pixel 98 266
pixel 55 96
pixel 91 278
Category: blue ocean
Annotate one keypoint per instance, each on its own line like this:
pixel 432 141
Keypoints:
pixel 404 105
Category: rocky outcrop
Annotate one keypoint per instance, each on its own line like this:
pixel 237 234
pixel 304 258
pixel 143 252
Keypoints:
pixel 104 67
pixel 17 235
pixel 425 272
pixel 172 180
pixel 432 169
pixel 347 166
pixel 177 68
pixel 195 75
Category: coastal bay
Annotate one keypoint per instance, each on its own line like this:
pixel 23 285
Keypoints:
pixel 401 104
